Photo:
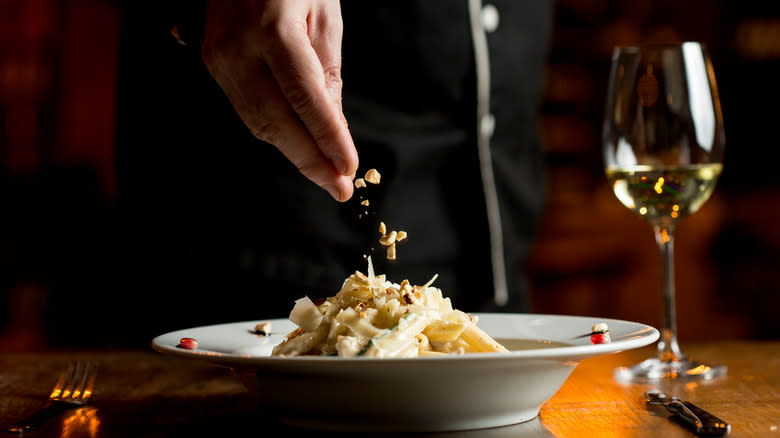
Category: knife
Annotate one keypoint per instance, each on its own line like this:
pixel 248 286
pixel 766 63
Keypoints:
pixel 701 421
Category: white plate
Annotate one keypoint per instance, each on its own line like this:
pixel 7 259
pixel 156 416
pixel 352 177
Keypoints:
pixel 454 392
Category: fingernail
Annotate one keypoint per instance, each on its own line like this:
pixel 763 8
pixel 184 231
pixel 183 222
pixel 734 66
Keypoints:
pixel 340 164
pixel 334 192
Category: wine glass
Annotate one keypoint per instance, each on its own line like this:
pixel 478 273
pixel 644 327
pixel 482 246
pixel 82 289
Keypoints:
pixel 663 144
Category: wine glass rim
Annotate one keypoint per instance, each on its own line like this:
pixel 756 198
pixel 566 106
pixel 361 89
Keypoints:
pixel 658 45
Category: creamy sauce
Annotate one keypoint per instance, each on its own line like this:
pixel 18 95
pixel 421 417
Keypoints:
pixel 531 344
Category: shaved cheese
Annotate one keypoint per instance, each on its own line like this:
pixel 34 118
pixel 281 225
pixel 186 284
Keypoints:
pixel 370 271
pixel 305 314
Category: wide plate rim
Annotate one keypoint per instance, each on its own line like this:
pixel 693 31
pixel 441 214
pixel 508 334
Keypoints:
pixel 642 336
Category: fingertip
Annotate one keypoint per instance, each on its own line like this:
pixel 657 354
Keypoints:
pixel 351 169
pixel 342 190
pixel 346 166
pixel 347 189
pixel 333 191
pixel 345 157
pixel 352 163
pixel 340 164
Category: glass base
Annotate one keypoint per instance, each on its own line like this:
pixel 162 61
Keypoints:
pixel 658 370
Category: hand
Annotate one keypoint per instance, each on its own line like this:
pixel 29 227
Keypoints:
pixel 279 63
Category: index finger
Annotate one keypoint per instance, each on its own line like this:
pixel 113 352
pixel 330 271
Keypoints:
pixel 302 78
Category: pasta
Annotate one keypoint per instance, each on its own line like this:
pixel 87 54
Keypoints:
pixel 373 317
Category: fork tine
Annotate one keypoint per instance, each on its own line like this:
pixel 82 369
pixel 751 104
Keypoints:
pixel 72 378
pixel 80 381
pixel 85 376
pixel 56 392
pixel 86 392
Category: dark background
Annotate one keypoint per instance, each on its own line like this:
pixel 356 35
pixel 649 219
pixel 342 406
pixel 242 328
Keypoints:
pixel 61 231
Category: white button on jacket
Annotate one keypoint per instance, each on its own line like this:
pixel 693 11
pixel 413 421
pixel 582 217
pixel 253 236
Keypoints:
pixel 489 18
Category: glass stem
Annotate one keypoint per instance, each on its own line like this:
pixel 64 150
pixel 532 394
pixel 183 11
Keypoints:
pixel 668 349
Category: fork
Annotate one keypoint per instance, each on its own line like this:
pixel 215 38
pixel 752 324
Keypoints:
pixel 73 389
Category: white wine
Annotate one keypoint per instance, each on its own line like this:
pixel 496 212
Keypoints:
pixel 664 195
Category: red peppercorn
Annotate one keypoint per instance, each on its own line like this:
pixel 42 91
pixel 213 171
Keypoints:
pixel 599 338
pixel 188 343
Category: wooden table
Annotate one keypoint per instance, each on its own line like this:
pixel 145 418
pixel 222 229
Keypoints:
pixel 147 394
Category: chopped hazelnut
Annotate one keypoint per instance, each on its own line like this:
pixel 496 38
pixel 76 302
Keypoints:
pixel 391 252
pixel 360 183
pixel 382 228
pixel 373 176
pixel 400 236
pixel 364 203
pixel 388 239
pixel 263 328
pixel 413 297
